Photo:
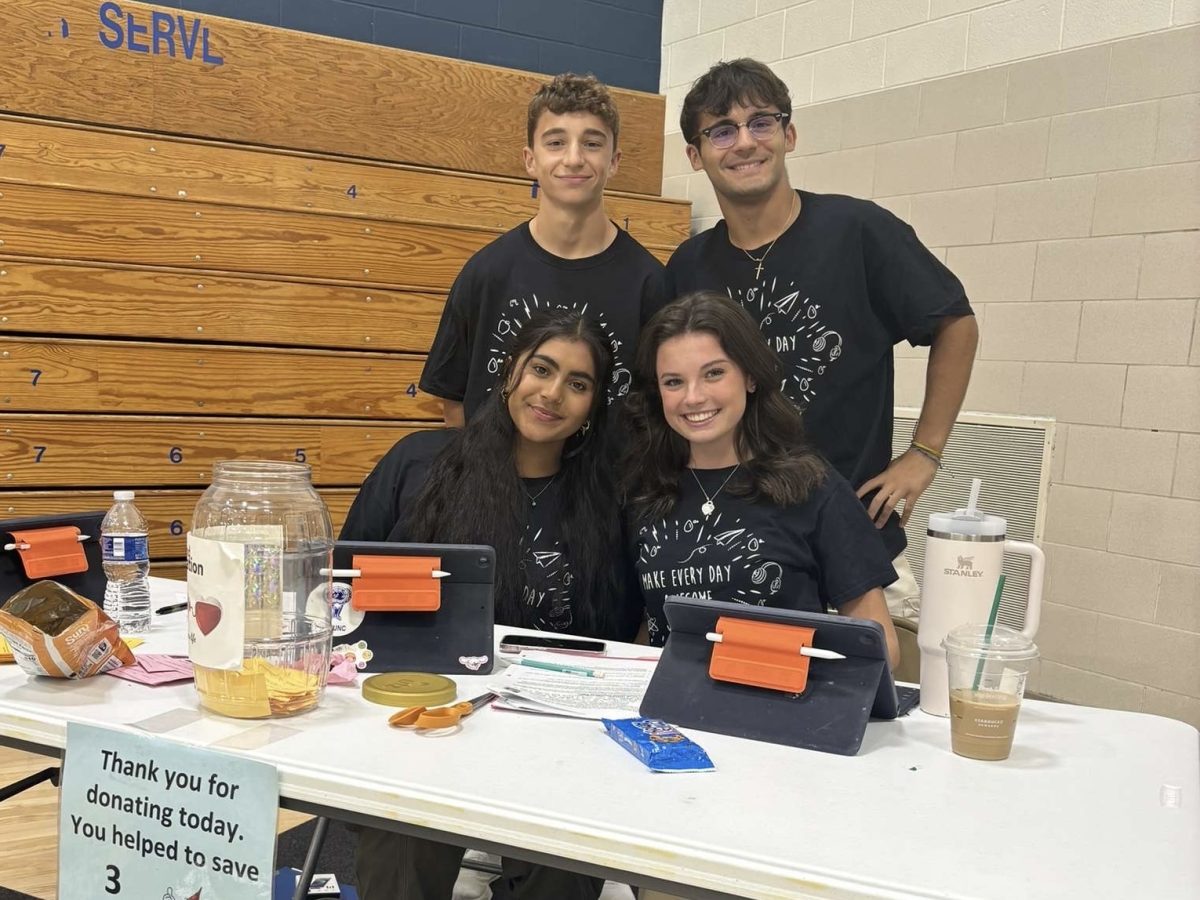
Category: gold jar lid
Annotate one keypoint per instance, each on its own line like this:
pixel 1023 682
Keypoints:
pixel 409 689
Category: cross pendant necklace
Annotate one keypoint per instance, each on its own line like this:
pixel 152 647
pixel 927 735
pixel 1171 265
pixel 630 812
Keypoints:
pixel 708 507
pixel 759 260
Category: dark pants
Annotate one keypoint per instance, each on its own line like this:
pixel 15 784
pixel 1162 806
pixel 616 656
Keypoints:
pixel 394 866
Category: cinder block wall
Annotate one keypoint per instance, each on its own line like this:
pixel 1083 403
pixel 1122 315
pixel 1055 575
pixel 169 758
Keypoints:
pixel 1048 151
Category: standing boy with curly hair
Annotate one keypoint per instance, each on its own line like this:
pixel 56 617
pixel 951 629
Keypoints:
pixel 570 254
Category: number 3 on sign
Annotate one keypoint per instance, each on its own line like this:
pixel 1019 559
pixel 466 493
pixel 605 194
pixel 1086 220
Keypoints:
pixel 114 880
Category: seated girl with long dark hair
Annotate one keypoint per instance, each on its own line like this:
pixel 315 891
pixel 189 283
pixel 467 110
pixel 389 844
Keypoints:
pixel 727 500
pixel 527 476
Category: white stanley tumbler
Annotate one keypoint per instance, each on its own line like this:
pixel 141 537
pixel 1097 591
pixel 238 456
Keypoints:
pixel 964 556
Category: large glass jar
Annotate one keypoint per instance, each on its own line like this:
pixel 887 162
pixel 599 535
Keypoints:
pixel 259 625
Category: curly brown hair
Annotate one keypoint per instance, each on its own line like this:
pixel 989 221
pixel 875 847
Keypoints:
pixel 568 93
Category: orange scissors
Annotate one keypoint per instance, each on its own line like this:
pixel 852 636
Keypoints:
pixel 439 716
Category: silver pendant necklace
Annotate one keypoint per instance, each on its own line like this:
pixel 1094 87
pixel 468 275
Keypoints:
pixel 708 507
pixel 533 498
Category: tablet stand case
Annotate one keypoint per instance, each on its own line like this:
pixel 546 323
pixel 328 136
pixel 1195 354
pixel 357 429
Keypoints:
pixel 409 620
pixel 15 566
pixel 830 713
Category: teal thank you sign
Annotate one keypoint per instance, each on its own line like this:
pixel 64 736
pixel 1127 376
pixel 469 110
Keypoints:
pixel 140 817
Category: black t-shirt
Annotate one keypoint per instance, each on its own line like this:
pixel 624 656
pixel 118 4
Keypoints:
pixel 548 584
pixel 389 491
pixel 811 556
pixel 510 279
pixel 844 284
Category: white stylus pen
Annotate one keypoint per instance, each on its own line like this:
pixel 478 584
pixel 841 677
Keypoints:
pixel 814 652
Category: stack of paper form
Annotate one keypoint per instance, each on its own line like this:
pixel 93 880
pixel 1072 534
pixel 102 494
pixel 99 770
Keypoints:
pixel 614 692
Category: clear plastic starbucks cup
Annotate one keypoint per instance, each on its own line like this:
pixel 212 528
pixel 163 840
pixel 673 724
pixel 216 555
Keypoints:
pixel 987 667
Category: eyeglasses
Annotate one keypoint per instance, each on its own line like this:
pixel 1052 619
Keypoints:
pixel 761 128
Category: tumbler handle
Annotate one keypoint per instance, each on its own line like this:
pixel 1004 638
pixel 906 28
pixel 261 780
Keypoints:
pixel 1037 571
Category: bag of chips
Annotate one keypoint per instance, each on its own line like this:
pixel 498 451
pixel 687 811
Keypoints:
pixel 54 631
pixel 659 746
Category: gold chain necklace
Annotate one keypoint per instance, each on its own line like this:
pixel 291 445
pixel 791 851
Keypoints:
pixel 758 260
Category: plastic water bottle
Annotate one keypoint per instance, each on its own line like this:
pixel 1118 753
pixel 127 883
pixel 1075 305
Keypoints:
pixel 125 547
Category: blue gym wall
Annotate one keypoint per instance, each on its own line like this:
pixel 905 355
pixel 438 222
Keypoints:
pixel 616 40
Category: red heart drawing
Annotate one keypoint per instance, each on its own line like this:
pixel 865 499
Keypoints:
pixel 208 615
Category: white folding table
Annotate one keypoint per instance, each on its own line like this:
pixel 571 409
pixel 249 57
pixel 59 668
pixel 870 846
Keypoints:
pixel 1092 803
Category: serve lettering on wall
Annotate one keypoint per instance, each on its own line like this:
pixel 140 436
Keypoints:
pixel 163 33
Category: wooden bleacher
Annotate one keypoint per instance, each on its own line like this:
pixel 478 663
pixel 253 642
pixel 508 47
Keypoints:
pixel 200 261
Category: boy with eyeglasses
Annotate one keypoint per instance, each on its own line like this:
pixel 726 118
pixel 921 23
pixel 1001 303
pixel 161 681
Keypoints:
pixel 569 254
pixel 835 283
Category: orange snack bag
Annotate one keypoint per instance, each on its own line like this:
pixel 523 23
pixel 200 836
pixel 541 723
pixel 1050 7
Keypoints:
pixel 54 631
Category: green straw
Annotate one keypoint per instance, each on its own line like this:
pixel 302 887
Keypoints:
pixel 991 623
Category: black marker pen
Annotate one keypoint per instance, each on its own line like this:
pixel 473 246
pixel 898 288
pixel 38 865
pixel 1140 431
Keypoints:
pixel 173 608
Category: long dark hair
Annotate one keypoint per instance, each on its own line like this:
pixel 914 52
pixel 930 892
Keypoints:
pixel 778 463
pixel 473 494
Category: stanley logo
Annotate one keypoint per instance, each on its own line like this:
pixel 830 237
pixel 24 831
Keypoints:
pixel 964 569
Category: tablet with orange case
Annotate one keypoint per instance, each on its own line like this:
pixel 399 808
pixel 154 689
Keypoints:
pixel 89 583
pixel 830 714
pixel 400 632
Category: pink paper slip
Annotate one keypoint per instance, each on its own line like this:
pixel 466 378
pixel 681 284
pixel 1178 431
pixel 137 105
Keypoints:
pixel 155 669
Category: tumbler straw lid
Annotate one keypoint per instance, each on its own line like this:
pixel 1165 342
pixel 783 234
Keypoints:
pixel 958 524
pixel 968 520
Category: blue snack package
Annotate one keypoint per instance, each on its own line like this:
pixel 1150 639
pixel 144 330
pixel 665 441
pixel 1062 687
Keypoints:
pixel 659 746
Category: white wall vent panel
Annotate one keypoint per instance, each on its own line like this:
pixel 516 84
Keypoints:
pixel 1012 456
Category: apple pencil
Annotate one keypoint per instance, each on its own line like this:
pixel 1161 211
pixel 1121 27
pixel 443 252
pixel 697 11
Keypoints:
pixel 814 652
pixel 23 546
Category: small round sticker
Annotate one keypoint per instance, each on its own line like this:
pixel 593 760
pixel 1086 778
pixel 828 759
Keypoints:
pixel 344 617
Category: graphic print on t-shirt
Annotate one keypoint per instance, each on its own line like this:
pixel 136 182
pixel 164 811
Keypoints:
pixel 548 579
pixel 792 328
pixel 517 315
pixel 689 557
